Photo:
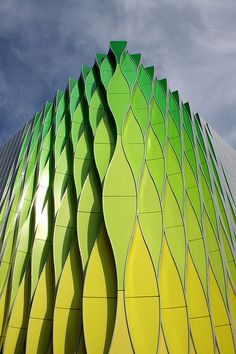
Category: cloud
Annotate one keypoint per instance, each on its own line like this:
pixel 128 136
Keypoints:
pixel 190 42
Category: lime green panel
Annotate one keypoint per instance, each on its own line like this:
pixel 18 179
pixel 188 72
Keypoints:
pixel 157 121
pixel 140 108
pixel 133 144
pixel 174 229
pixel 106 71
pixel 89 215
pixel 174 174
pixel 119 207
pixel 104 145
pixel 155 159
pixel 96 110
pixel 120 214
pixel 118 95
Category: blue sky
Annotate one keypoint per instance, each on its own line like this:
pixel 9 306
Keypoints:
pixel 190 42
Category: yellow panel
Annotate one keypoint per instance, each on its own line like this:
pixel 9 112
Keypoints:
pixel 219 313
pixel 220 317
pixel 142 302
pixel 38 337
pixel 225 339
pixel 140 274
pixel 198 312
pixel 66 325
pixel 99 301
pixel 191 348
pixel 42 305
pixel 232 300
pixel 3 309
pixel 81 347
pixel 175 327
pixel 40 322
pixel 16 328
pixel 69 303
pixel 162 348
pixel 171 291
pixel 69 293
pixel 143 322
pixel 121 341
pixel 98 323
pixel 14 341
pixel 100 278
pixel 202 335
pixel 176 241
pixel 197 305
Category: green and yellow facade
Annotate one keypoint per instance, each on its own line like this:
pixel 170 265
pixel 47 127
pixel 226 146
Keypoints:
pixel 117 223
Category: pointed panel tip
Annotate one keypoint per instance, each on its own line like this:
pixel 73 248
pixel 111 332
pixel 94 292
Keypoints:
pixel 118 48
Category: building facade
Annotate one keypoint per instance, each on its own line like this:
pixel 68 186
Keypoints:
pixel 118 222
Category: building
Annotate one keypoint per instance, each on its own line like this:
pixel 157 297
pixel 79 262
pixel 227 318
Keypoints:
pixel 118 222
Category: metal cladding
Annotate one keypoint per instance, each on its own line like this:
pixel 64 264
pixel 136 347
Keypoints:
pixel 117 223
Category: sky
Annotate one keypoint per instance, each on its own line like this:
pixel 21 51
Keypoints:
pixel 189 42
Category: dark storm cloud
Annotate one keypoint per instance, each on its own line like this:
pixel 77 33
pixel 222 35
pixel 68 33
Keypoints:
pixel 191 42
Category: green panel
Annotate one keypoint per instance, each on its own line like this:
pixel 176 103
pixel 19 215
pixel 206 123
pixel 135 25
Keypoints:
pixel 157 121
pixel 160 96
pixel 187 122
pixel 106 71
pixel 96 110
pixel 118 48
pixel 174 109
pixel 133 144
pixel 174 137
pixel 129 70
pixel 145 83
pixel 140 108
